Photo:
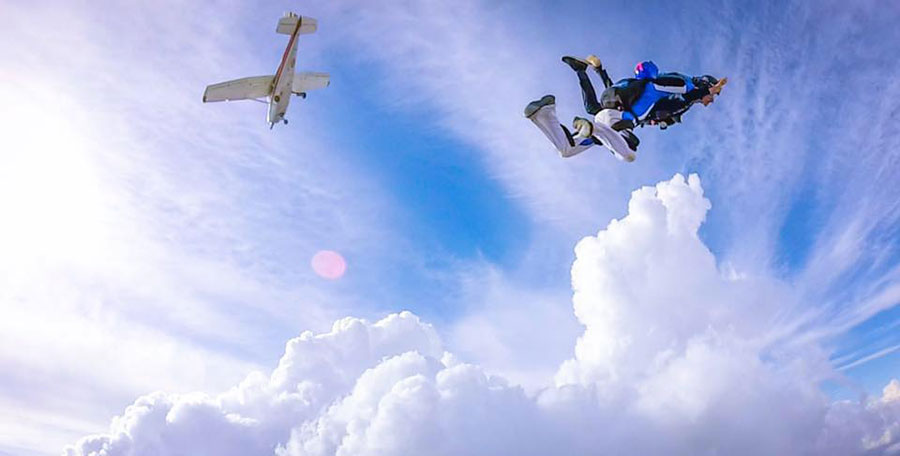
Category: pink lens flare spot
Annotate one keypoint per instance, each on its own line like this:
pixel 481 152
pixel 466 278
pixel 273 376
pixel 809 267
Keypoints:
pixel 329 264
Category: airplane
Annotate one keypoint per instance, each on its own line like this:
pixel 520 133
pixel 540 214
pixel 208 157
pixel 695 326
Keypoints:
pixel 279 87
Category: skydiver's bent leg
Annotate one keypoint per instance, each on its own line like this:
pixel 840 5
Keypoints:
pixel 597 65
pixel 607 82
pixel 543 113
pixel 588 94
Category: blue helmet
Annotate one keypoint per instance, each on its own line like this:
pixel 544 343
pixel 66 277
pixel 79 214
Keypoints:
pixel 646 70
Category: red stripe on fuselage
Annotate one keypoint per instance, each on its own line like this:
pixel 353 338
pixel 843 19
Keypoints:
pixel 287 51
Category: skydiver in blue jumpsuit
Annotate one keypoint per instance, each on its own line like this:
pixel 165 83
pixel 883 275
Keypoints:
pixel 648 98
pixel 661 97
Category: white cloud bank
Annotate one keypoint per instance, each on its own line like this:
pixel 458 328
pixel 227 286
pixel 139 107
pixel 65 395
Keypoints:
pixel 678 357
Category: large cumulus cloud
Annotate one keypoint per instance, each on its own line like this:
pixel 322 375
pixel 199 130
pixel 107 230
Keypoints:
pixel 679 355
pixel 257 415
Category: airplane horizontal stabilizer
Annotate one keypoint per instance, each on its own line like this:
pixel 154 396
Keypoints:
pixel 287 24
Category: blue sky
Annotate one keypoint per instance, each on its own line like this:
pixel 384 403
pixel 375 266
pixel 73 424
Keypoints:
pixel 140 221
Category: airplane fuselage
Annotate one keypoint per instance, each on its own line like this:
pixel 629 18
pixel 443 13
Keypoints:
pixel 284 77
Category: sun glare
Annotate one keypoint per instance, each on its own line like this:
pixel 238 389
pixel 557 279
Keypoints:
pixel 329 264
pixel 50 194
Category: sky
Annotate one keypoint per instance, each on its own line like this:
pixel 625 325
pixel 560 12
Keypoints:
pixel 156 253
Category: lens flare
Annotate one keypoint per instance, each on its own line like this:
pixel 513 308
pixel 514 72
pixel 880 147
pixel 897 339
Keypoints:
pixel 329 264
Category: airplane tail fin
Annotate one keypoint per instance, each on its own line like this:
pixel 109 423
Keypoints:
pixel 288 23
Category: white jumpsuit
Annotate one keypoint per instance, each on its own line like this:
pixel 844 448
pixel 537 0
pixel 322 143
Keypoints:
pixel 546 120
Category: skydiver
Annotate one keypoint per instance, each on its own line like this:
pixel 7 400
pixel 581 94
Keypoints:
pixel 621 142
pixel 649 98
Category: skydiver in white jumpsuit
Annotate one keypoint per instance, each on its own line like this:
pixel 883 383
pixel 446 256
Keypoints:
pixel 587 133
pixel 543 113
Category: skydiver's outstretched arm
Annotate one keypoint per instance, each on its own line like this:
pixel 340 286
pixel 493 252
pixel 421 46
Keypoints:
pixel 673 83
pixel 693 88
pixel 669 109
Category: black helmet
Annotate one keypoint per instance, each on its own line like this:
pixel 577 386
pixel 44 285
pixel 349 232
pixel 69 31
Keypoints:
pixel 706 81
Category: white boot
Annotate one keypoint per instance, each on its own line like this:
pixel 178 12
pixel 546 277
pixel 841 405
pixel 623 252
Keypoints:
pixel 545 119
pixel 536 105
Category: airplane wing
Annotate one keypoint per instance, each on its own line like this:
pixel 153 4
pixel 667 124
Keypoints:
pixel 239 89
pixel 304 82
pixel 288 23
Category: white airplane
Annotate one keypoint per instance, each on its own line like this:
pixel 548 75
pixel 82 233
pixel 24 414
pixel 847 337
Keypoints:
pixel 277 88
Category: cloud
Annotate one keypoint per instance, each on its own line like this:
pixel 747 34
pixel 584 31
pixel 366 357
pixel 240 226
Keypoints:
pixel 646 285
pixel 675 358
pixel 514 330
pixel 259 413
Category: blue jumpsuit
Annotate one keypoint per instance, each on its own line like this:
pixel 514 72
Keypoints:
pixel 667 95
